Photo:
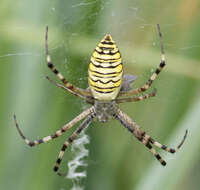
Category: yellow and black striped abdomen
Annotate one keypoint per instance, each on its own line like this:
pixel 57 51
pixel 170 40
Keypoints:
pixel 105 70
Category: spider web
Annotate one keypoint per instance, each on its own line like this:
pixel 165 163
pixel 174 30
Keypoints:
pixel 80 153
pixel 75 29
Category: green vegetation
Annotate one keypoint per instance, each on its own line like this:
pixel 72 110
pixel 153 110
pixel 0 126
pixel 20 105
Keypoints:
pixel 117 160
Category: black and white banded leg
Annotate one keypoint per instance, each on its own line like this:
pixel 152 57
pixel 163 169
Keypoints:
pixel 58 132
pixel 87 99
pixel 153 76
pixel 144 138
pixel 71 88
pixel 83 125
pixel 136 99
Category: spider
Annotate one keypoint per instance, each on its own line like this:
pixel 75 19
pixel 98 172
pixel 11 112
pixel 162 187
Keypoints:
pixel 108 87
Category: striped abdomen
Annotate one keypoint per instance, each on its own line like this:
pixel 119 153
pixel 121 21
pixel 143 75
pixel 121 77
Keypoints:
pixel 105 70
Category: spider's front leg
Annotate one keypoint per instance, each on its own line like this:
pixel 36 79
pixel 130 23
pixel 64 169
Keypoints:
pixel 83 125
pixel 57 133
pixel 153 76
pixel 144 138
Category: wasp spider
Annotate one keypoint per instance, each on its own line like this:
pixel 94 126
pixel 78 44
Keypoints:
pixel 106 90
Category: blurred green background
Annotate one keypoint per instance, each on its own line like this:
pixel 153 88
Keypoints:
pixel 116 160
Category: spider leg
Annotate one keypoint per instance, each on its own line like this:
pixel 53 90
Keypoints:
pixel 71 88
pixel 171 150
pixel 87 99
pixel 144 138
pixel 138 133
pixel 135 99
pixel 83 125
pixel 57 133
pixel 153 76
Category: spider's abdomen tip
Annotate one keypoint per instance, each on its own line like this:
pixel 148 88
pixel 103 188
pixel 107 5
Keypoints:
pixel 108 37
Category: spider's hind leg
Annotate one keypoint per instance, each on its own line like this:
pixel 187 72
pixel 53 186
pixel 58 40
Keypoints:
pixel 153 76
pixel 71 88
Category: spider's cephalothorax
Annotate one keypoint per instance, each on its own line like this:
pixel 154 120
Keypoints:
pixel 106 91
pixel 104 110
